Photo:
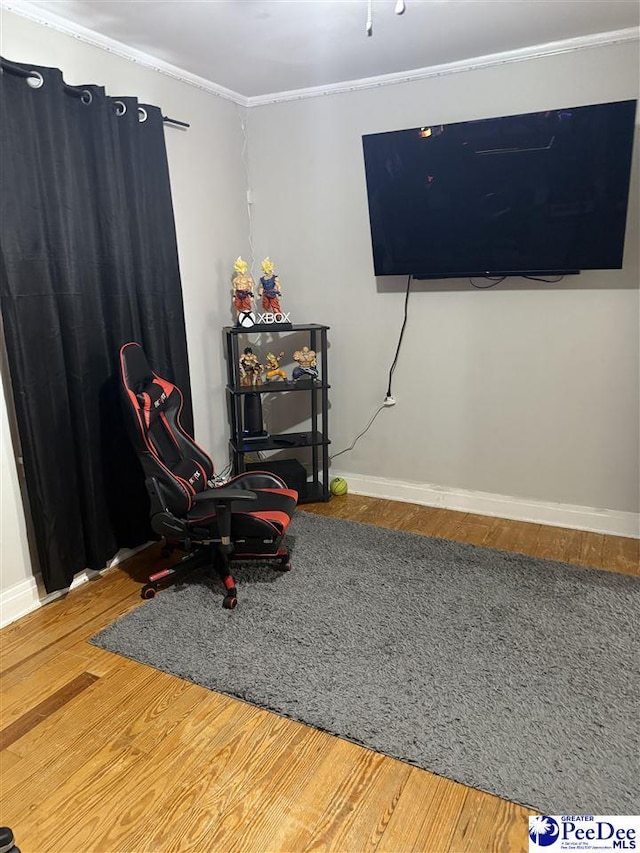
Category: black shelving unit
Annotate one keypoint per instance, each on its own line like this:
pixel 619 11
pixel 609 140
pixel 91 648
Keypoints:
pixel 316 439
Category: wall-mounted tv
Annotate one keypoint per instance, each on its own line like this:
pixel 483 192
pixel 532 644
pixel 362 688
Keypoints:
pixel 539 193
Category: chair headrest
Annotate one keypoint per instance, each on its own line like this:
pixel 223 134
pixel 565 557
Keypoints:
pixel 145 389
pixel 136 373
pixel 152 396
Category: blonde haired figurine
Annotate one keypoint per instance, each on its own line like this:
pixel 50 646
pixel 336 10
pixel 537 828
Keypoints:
pixel 273 367
pixel 269 288
pixel 243 292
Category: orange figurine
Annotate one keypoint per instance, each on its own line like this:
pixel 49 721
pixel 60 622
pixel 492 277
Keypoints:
pixel 269 288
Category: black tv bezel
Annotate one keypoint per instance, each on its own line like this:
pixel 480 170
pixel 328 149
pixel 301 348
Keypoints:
pixel 487 274
pixel 427 276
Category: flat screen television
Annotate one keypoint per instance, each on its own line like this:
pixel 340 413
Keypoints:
pixel 533 194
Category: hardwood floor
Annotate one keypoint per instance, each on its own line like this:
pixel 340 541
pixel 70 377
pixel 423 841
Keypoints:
pixel 103 755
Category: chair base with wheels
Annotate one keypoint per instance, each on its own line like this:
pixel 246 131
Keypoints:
pixel 207 556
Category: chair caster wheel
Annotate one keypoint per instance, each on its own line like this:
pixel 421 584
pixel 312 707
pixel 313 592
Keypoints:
pixel 148 591
pixel 230 602
pixel 285 567
pixel 7 841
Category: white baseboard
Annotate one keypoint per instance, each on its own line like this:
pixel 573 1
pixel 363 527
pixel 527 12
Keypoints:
pixel 28 595
pixel 610 521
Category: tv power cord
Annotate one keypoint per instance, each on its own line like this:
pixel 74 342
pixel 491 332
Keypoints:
pixel 389 399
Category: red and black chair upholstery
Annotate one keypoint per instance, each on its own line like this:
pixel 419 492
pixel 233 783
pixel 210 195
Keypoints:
pixel 245 519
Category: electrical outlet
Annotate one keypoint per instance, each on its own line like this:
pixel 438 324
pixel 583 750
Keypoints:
pixel 389 401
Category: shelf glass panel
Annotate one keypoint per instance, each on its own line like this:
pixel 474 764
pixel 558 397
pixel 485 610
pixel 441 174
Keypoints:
pixel 273 327
pixel 278 387
pixel 283 441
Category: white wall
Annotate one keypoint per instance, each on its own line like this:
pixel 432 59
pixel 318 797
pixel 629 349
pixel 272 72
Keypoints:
pixel 14 549
pixel 525 390
pixel 208 179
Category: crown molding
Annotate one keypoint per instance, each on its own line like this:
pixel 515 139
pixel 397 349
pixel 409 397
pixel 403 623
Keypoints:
pixel 118 48
pixel 55 22
pixel 489 61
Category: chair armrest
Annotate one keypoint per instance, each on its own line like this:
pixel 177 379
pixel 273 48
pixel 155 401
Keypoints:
pixel 223 498
pixel 224 495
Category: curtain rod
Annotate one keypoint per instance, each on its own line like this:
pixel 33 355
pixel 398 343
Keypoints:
pixel 75 91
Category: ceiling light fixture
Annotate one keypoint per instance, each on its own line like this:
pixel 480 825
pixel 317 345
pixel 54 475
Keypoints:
pixel 399 9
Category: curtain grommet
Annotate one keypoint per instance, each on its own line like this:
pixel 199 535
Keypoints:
pixel 142 114
pixel 86 97
pixel 35 80
pixel 120 108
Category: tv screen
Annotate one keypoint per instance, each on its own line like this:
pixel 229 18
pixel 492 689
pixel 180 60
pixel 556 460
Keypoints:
pixel 528 194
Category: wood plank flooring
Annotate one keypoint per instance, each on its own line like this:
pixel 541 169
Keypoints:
pixel 104 755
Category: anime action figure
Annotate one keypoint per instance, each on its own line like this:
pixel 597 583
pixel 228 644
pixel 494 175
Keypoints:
pixel 269 288
pixel 273 367
pixel 250 369
pixel 243 292
pixel 307 362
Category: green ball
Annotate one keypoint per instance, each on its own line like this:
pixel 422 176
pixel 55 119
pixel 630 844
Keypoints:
pixel 338 486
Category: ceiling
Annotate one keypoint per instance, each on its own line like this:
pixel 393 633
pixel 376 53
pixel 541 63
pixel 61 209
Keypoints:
pixel 261 47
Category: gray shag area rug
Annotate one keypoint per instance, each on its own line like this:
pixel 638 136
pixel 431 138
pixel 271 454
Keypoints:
pixel 511 674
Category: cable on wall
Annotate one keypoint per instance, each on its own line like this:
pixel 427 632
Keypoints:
pixel 404 324
pixel 391 371
pixel 359 436
pixel 245 160
pixel 389 401
pixel 556 280
pixel 495 281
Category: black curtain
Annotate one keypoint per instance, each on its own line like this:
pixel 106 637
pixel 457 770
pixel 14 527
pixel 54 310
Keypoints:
pixel 88 262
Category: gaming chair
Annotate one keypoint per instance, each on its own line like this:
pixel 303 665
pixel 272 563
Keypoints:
pixel 245 519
